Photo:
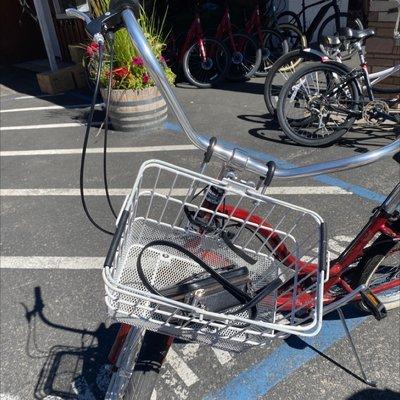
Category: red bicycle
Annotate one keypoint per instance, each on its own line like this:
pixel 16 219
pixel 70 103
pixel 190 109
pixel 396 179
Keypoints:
pixel 205 60
pixel 271 42
pixel 245 54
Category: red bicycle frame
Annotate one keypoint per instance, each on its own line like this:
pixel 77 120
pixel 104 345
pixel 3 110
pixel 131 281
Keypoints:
pixel 195 34
pixel 379 223
pixel 224 28
pixel 254 24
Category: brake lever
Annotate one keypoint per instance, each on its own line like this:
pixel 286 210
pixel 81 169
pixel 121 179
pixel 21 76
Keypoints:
pixel 73 12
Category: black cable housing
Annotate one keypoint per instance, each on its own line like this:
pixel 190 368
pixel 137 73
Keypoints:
pixel 85 144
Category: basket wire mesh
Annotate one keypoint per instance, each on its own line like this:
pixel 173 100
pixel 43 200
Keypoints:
pixel 285 242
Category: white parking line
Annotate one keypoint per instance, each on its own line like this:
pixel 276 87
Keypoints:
pixel 51 262
pixel 283 190
pixel 223 356
pixel 97 150
pixel 44 126
pixel 181 368
pixel 14 110
pixel 39 96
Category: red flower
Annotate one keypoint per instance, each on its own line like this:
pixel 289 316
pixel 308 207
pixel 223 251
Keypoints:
pixel 162 60
pixel 138 61
pixel 92 49
pixel 145 78
pixel 120 72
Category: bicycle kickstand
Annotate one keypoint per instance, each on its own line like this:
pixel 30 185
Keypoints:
pixel 346 328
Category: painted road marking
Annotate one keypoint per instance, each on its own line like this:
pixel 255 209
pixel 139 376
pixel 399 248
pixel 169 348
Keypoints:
pixel 181 368
pixel 44 126
pixel 51 262
pixel 40 96
pixel 224 357
pixel 98 150
pixel 188 351
pixel 178 192
pixel 263 376
pixel 14 110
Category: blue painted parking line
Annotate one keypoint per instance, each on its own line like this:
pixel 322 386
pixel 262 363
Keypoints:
pixel 286 359
pixel 327 179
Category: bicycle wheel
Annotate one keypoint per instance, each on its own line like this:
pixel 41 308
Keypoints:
pixel 280 72
pixel 147 367
pixel 274 46
pixel 289 17
pixel 245 57
pixel 380 265
pixel 208 72
pixel 318 103
pixel 293 36
pixel 328 27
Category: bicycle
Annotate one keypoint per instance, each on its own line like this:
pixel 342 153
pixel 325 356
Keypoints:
pixel 245 53
pixel 205 60
pixel 270 41
pixel 331 24
pixel 154 269
pixel 320 102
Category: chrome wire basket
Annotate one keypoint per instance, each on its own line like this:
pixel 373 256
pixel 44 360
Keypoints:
pixel 282 246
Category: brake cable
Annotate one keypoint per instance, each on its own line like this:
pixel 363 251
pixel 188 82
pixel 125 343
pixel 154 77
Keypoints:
pixel 111 45
pixel 86 139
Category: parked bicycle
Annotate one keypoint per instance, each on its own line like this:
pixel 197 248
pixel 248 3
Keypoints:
pixel 322 101
pixel 205 60
pixel 322 25
pixel 224 264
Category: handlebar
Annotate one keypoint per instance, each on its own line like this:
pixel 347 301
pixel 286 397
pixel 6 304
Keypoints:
pixel 227 151
pixel 237 157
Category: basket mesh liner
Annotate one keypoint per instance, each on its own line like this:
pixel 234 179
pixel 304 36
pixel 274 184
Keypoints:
pixel 158 214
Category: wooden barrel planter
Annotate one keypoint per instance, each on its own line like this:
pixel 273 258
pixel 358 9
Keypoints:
pixel 136 110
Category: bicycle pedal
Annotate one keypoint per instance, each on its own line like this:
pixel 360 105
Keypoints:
pixel 373 304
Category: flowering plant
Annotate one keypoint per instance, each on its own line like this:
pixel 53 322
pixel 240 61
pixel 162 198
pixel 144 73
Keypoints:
pixel 129 71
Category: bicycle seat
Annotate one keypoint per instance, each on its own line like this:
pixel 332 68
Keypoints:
pixel 355 34
pixel 331 41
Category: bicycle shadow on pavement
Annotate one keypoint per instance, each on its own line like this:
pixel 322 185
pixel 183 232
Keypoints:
pixel 361 139
pixel 69 372
pixel 296 342
pixel 375 394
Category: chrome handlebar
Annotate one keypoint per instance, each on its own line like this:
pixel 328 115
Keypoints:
pixel 242 158
pixel 237 157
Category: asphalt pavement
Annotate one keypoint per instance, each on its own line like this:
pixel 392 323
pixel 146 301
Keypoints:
pixel 54 331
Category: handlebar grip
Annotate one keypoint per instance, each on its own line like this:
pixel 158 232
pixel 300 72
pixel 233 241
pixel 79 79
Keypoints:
pixel 117 6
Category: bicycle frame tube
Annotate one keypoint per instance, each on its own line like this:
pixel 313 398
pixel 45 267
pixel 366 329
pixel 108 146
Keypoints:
pixel 195 32
pixel 309 32
pixel 248 159
pixel 381 75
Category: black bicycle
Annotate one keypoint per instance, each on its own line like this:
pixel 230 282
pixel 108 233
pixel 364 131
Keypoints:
pixel 325 26
pixel 321 101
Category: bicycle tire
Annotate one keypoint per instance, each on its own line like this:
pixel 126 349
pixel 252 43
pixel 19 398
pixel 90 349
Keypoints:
pixel 279 70
pixel 353 24
pixel 293 19
pixel 208 75
pixel 369 265
pixel 385 90
pixel 245 63
pixel 288 123
pixel 268 56
pixel 150 359
pixel 300 43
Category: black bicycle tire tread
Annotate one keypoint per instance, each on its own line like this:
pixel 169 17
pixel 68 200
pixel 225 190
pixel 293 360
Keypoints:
pixel 371 260
pixel 328 140
pixel 191 79
pixel 141 385
pixel 256 66
pixel 285 59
